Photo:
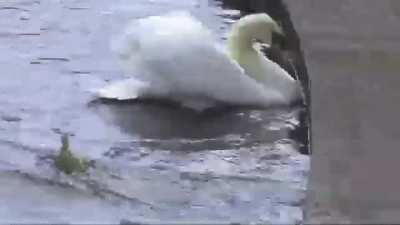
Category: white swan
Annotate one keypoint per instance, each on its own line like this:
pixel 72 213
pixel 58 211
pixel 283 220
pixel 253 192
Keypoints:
pixel 174 56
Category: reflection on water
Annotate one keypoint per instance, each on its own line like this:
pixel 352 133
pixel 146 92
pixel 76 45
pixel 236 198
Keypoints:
pixel 161 124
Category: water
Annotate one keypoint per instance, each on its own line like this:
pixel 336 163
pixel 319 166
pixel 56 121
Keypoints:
pixel 153 161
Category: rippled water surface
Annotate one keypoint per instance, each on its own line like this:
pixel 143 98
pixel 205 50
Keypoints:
pixel 153 161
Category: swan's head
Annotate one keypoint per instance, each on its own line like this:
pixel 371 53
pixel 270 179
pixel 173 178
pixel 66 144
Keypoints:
pixel 251 28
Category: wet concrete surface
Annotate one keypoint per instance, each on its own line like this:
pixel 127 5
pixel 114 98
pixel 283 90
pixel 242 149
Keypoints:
pixel 152 162
pixel 352 51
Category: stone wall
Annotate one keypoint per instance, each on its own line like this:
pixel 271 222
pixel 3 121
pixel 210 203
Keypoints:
pixel 352 51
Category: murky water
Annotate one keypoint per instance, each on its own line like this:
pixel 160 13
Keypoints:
pixel 153 162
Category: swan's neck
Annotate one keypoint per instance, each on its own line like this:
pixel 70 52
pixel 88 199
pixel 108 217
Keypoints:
pixel 239 44
pixel 260 68
pixel 242 51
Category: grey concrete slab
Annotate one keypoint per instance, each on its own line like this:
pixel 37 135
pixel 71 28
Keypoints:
pixel 352 51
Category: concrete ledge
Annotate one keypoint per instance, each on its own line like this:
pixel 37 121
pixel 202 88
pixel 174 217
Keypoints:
pixel 353 57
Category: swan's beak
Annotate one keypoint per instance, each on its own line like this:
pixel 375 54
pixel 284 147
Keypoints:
pixel 278 30
pixel 279 38
pixel 262 46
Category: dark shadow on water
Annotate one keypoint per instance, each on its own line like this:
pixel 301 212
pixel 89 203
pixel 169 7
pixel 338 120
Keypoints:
pixel 161 124
pixel 286 52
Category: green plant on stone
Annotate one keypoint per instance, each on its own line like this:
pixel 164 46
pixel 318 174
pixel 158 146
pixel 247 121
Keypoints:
pixel 67 162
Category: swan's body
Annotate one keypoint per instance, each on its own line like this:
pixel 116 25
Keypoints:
pixel 176 57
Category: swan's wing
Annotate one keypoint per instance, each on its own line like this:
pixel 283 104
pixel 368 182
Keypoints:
pixel 179 56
